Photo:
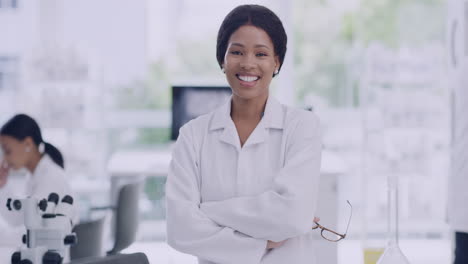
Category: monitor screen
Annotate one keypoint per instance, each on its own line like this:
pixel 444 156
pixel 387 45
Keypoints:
pixel 189 102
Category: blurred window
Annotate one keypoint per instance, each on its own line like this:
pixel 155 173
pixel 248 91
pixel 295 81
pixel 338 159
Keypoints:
pixel 8 3
pixel 8 73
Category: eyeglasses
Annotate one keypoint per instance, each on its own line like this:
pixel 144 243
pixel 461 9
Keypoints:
pixel 331 235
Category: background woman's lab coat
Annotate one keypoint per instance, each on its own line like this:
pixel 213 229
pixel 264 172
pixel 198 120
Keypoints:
pixel 225 201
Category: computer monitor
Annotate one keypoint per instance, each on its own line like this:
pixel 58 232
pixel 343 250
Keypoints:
pixel 189 102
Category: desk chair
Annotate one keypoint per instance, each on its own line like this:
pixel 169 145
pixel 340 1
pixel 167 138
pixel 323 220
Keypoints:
pixel 125 216
pixel 90 241
pixel 135 258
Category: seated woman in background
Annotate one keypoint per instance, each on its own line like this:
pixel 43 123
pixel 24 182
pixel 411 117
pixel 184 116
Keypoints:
pixel 23 147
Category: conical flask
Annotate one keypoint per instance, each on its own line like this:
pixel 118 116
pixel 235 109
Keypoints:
pixel 393 253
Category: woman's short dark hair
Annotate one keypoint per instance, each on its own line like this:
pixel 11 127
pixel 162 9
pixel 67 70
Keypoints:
pixel 255 15
pixel 22 126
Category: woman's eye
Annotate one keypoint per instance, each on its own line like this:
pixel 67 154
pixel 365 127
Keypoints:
pixel 261 54
pixel 235 52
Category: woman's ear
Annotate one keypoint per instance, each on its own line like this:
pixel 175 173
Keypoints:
pixel 28 142
pixel 277 66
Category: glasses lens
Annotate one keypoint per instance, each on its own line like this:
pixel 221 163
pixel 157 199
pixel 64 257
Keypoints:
pixel 330 236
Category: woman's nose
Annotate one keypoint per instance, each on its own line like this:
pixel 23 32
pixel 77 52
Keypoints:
pixel 247 62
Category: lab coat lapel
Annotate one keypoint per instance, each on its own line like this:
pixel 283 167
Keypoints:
pixel 258 135
pixel 229 135
pixel 272 119
pixel 222 120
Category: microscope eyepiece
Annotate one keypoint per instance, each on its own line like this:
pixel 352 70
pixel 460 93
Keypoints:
pixel 67 199
pixel 43 205
pixel 53 197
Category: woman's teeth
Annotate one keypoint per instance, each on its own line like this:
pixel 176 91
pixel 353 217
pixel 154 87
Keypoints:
pixel 248 78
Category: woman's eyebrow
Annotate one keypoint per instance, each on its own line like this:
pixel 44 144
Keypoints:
pixel 237 44
pixel 262 46
pixel 256 46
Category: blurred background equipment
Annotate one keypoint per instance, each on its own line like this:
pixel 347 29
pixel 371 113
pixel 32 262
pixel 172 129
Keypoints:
pixel 189 102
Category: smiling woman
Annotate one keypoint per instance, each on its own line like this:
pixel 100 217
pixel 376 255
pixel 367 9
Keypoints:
pixel 243 180
pixel 250 62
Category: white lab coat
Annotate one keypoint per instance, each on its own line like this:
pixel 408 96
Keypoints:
pixel 48 177
pixel 225 201
pixel 458 181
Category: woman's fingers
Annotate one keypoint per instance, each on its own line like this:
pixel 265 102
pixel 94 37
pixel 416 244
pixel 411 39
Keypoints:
pixel 4 169
pixel 271 244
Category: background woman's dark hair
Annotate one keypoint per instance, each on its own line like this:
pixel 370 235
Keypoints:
pixel 22 126
pixel 255 15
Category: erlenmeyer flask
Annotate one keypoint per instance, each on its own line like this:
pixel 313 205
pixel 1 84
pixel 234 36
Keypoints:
pixel 393 253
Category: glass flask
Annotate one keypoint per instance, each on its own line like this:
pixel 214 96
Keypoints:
pixel 393 253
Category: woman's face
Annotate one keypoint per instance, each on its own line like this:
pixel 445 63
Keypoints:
pixel 250 62
pixel 15 151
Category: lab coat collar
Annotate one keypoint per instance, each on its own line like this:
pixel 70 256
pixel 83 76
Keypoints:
pixel 41 168
pixel 272 118
pixel 40 174
pixel 274 114
pixel 222 116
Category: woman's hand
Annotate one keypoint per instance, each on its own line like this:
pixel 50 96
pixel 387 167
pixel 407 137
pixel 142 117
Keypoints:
pixel 271 244
pixel 316 219
pixel 4 170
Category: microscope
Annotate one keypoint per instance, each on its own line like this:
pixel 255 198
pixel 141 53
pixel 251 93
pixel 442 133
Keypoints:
pixel 48 229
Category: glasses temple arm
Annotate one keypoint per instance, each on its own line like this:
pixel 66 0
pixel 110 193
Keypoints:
pixel 351 214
